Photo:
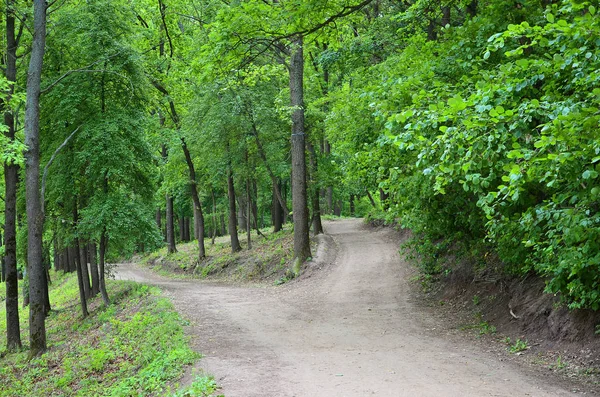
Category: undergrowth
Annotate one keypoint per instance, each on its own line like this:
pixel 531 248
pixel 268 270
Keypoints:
pixel 133 347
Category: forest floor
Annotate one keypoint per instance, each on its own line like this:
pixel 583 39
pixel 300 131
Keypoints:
pixel 354 324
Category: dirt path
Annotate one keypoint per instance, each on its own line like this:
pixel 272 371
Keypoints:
pixel 350 330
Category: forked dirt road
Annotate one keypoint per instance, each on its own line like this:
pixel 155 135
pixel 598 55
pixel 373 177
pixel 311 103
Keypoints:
pixel 351 329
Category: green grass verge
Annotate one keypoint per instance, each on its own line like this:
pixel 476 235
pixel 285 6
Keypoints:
pixel 134 347
pixel 271 255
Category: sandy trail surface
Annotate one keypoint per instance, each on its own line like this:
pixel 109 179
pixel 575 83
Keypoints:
pixel 350 329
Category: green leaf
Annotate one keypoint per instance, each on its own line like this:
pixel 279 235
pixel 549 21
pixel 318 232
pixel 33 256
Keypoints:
pixel 486 55
pixel 550 17
pixel 590 174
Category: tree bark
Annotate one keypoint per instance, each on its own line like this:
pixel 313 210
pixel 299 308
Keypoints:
pixel 263 156
pixel 299 198
pixel 181 221
pixel 317 224
pixel 371 199
pixel 195 198
pixel 248 215
pixel 352 210
pixel 94 268
pixel 235 242
pixel 103 247
pixel 35 217
pixel 11 179
pixel 214 216
pixel 171 247
pixel 276 211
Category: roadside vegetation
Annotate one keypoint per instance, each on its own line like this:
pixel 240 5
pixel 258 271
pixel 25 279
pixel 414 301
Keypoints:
pixel 269 259
pixel 134 347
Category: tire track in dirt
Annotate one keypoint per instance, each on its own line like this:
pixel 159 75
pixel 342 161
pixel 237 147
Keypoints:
pixel 348 330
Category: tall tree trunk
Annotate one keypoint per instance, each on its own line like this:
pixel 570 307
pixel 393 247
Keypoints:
pixel 383 198
pixel 299 199
pixel 472 8
pixel 445 15
pixel 2 264
pixel 352 205
pixel 11 178
pixel 329 189
pixel 87 288
pixel 276 211
pixel 171 247
pixel 235 242
pixel 35 217
pixel 371 199
pixel 196 235
pixel 103 247
pixel 180 221
pixel 94 269
pixel 214 216
pixel 47 306
pixel 83 292
pixel 317 224
pixel 263 156
pixel 81 251
pixel 248 215
pixel 195 198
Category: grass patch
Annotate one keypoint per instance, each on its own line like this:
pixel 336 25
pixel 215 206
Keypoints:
pixel 269 259
pixel 134 347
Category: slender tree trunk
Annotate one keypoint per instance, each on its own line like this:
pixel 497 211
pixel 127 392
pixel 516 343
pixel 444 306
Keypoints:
pixel 214 216
pixel 235 242
pixel 254 204
pixel 180 221
pixel 47 306
pixel 35 217
pixel 2 264
pixel 94 269
pixel 87 288
pixel 80 248
pixel 196 235
pixel 82 295
pixel 103 247
pixel 383 198
pixel 317 224
pixel 337 208
pixel 171 247
pixel 195 198
pixel 472 8
pixel 352 205
pixel 263 156
pixel 276 211
pixel 248 223
pixel 371 199
pixel 299 197
pixel 445 15
pixel 79 258
pixel 11 178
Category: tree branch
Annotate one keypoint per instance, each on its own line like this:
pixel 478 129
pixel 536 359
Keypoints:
pixel 50 163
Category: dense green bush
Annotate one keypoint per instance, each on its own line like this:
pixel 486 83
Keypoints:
pixel 495 134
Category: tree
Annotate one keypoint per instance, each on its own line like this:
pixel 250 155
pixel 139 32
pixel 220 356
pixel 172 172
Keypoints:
pixel 11 176
pixel 35 217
